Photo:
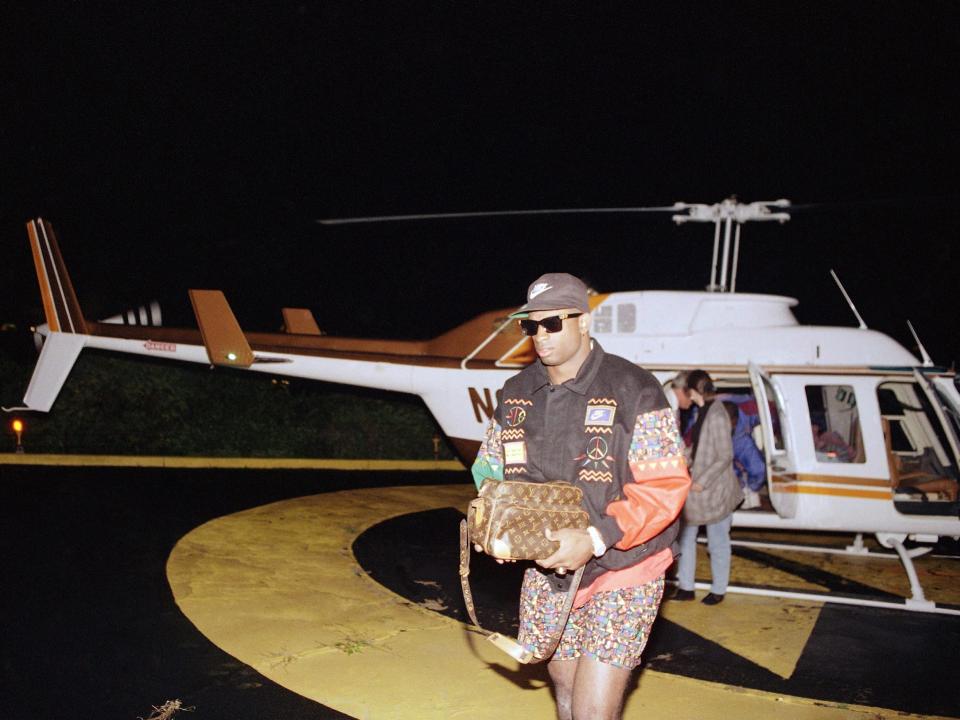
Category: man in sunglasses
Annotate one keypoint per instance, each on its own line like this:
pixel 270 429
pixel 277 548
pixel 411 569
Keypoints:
pixel 596 420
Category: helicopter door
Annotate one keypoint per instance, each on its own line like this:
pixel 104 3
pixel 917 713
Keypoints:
pixel 947 392
pixel 781 476
pixel 946 414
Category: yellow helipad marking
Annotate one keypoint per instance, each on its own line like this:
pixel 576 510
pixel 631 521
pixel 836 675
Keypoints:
pixel 768 631
pixel 278 588
pixel 238 463
pixel 744 571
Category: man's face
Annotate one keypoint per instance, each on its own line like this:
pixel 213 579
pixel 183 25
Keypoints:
pixel 683 398
pixel 559 347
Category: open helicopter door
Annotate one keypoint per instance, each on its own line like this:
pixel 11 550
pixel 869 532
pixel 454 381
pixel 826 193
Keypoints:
pixel 946 410
pixel 948 393
pixel 781 466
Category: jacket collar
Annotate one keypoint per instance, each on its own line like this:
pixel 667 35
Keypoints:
pixel 585 375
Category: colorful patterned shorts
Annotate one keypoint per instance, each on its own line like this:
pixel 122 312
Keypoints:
pixel 613 627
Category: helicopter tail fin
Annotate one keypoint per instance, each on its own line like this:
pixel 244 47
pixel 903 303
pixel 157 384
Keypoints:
pixel 66 331
pixel 60 302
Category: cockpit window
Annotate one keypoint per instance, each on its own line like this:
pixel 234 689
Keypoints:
pixel 626 318
pixel 602 321
pixel 835 423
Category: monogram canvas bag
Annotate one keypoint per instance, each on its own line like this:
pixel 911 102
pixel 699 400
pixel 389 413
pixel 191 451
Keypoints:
pixel 508 520
pixel 509 517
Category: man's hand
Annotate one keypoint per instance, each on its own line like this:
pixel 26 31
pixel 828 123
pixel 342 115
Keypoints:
pixel 576 548
pixel 501 561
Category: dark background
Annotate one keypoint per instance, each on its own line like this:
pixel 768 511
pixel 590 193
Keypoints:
pixel 195 144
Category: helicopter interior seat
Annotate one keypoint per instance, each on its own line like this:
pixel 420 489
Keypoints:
pixel 916 482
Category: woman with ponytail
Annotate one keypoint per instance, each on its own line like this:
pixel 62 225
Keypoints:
pixel 714 494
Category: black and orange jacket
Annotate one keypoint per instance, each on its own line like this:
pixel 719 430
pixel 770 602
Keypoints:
pixel 611 432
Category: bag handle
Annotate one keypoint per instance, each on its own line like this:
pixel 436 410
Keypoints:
pixel 508 644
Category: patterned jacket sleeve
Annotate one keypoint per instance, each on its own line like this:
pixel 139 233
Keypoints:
pixel 489 462
pixel 659 486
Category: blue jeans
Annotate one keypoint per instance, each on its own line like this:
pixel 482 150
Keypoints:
pixel 718 543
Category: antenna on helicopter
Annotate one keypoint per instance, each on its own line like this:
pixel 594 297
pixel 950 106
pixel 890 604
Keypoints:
pixel 927 361
pixel 726 213
pixel 863 325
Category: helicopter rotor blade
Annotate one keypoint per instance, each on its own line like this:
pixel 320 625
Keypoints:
pixel 494 213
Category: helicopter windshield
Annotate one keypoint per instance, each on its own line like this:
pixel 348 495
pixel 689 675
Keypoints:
pixel 915 428
pixel 922 462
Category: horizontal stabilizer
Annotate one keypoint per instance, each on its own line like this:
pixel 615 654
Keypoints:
pixel 300 321
pixel 59 353
pixel 225 342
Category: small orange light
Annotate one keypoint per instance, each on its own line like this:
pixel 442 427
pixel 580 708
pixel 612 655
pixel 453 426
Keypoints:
pixel 17 426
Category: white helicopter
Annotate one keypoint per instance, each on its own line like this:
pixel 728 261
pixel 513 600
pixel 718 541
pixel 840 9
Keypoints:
pixel 858 435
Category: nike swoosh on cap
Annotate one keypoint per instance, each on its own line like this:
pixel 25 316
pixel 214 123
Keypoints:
pixel 539 290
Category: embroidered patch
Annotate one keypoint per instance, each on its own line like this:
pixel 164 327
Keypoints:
pixel 601 415
pixel 595 461
pixel 597 449
pixel 515 453
pixel 539 289
pixel 595 475
pixel 517 401
pixel 515 417
pixel 511 435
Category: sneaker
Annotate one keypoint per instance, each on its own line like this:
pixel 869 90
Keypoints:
pixel 751 500
pixel 682 595
pixel 712 599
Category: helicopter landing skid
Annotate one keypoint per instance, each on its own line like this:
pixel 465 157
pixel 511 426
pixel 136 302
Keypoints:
pixel 857 548
pixel 908 604
pixel 917 602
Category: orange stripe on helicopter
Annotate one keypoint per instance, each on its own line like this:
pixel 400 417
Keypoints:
pixel 812 485
pixel 740 371
pixel 46 293
pixel 837 492
pixel 830 480
pixel 595 300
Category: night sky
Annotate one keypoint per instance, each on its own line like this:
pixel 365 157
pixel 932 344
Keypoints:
pixel 195 145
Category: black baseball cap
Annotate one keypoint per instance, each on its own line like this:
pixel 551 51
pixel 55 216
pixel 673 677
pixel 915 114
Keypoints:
pixel 555 291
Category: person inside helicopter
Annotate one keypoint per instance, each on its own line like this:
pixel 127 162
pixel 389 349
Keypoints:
pixel 829 445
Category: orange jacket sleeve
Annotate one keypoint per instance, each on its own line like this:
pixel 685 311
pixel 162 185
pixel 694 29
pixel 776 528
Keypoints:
pixel 659 484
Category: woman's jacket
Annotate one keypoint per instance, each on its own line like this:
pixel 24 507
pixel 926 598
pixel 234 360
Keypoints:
pixel 713 469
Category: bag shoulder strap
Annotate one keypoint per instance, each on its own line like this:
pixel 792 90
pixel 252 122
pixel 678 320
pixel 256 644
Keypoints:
pixel 507 644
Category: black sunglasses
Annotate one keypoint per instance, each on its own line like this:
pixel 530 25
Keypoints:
pixel 551 324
